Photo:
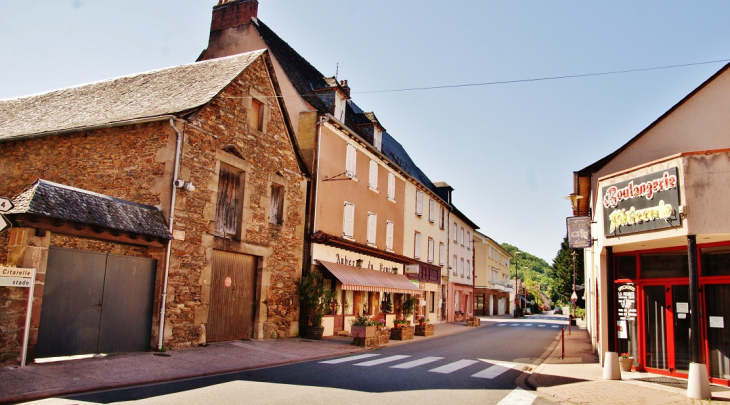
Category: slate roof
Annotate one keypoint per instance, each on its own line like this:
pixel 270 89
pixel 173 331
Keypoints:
pixel 156 93
pixel 66 203
pixel 310 83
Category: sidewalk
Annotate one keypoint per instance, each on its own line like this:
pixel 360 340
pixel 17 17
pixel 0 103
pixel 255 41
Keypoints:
pixel 37 381
pixel 578 378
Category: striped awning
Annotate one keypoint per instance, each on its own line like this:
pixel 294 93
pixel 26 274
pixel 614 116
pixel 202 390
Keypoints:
pixel 359 279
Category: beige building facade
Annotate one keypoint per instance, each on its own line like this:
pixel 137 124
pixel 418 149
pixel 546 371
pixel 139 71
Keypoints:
pixel 657 274
pixel 492 284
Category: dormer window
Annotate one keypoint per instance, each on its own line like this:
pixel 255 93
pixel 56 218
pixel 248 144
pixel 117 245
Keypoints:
pixel 378 139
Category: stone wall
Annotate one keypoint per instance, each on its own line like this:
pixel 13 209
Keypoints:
pixel 136 162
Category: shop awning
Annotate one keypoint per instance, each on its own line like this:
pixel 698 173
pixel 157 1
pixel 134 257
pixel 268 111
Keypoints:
pixel 359 279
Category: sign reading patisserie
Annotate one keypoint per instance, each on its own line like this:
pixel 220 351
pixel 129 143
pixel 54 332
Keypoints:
pixel 641 204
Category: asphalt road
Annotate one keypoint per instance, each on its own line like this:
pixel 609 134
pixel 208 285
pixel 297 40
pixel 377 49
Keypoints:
pixel 479 366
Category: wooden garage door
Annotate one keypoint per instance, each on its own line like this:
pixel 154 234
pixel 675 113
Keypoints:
pixel 95 303
pixel 232 297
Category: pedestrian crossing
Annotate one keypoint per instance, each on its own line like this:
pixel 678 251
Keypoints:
pixel 494 369
pixel 541 325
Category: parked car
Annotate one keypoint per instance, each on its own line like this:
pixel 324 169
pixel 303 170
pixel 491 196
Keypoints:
pixel 558 311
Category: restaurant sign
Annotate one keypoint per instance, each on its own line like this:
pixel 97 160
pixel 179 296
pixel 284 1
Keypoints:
pixel 641 204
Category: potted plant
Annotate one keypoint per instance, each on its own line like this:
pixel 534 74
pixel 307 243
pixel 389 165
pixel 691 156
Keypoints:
pixel 626 361
pixel 409 304
pixel 422 320
pixel 398 322
pixel 316 299
pixel 362 327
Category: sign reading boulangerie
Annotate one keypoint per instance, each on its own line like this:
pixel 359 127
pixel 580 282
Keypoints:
pixel 641 204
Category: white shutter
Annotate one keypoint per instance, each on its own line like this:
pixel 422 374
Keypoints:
pixel 430 250
pixel 417 251
pixel 461 266
pixel 468 240
pixel 462 236
pixel 372 223
pixel 419 202
pixel 389 236
pixel 349 220
pixel 351 161
pixel 442 254
pixel 455 264
pixel 391 186
pixel 431 210
pixel 373 175
pixel 378 139
pixel 456 234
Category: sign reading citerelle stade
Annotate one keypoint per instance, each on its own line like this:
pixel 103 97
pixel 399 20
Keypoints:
pixel 642 204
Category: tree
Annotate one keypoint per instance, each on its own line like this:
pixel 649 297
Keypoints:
pixel 562 273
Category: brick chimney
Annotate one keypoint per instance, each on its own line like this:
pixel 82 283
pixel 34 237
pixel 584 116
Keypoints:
pixel 232 13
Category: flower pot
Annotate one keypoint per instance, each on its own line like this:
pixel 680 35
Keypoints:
pixel 626 363
pixel 314 332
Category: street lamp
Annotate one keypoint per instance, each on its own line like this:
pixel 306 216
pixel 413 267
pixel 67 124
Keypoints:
pixel 524 289
pixel 517 303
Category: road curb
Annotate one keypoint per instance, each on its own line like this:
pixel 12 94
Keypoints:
pixel 524 380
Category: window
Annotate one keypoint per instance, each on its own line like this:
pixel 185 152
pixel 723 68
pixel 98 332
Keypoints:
pixel 340 103
pixel 389 235
pixel 456 234
pixel 432 301
pixel 430 250
pixel 431 210
pixel 378 139
pixel 256 118
pixel 468 268
pixel 349 298
pixel 442 254
pixel 391 186
pixel 351 161
pixel 372 224
pixel 462 236
pixel 442 218
pixel 276 216
pixel 468 240
pixel 455 264
pixel 417 246
pixel 229 206
pixel 419 202
pixel 348 224
pixel 461 267
pixel 373 175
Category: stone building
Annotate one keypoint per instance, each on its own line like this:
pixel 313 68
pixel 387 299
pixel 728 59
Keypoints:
pixel 176 195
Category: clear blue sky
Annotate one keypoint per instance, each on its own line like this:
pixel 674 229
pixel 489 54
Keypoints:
pixel 509 150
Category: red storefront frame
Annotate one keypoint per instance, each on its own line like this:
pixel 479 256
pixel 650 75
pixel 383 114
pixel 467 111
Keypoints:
pixel 668 283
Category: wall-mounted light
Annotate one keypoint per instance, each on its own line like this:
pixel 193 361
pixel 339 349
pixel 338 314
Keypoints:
pixel 185 185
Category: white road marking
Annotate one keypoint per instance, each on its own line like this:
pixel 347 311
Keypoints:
pixel 515 324
pixel 416 363
pixel 494 371
pixel 555 326
pixel 540 326
pixel 518 396
pixel 450 368
pixel 381 361
pixel 529 324
pixel 351 358
pixel 502 324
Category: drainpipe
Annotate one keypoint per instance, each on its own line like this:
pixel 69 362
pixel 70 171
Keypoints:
pixel 168 250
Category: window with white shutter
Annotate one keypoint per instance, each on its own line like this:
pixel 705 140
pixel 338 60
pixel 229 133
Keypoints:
pixel 348 224
pixel 456 233
pixel 372 224
pixel 389 235
pixel 351 161
pixel 442 218
pixel 378 139
pixel 462 236
pixel 391 186
pixel 417 246
pixel 419 202
pixel 461 267
pixel 468 268
pixel 468 240
pixel 455 263
pixel 430 250
pixel 373 175
pixel 442 254
pixel 431 210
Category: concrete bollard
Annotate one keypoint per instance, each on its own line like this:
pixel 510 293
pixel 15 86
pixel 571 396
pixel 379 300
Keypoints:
pixel 611 370
pixel 698 384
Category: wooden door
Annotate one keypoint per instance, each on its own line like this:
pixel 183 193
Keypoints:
pixel 232 297
pixel 339 313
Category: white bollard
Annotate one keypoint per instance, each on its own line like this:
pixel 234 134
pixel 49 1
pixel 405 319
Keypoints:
pixel 698 384
pixel 611 369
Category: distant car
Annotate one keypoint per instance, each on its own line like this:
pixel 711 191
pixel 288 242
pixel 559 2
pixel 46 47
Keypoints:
pixel 558 311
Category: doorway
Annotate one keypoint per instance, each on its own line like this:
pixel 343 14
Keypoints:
pixel 667 330
pixel 232 297
pixel 95 303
